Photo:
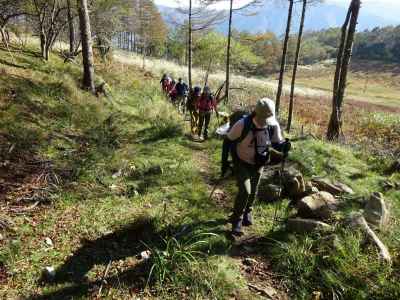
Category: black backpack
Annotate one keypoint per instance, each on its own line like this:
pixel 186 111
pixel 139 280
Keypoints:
pixel 229 147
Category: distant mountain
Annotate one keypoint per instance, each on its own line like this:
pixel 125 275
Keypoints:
pixel 272 17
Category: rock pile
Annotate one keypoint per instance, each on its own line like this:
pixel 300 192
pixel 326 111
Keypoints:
pixel 317 201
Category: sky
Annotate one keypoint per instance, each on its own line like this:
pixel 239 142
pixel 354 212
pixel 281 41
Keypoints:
pixel 388 6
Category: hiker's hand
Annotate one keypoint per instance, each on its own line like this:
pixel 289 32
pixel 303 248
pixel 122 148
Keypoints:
pixel 286 147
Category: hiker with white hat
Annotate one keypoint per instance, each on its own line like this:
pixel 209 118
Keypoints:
pixel 249 141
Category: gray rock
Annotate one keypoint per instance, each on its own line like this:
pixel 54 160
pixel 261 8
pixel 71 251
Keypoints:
pixel 268 192
pixel 300 225
pixel 345 189
pixel 358 221
pixel 320 205
pixel 376 211
pixel 294 184
pixel 333 187
pixel 310 189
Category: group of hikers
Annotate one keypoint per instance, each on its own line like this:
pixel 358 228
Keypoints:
pixel 249 140
pixel 199 103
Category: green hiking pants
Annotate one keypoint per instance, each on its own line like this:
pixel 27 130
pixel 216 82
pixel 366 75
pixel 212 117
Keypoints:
pixel 247 177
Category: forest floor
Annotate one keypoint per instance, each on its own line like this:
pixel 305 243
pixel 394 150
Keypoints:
pixel 88 184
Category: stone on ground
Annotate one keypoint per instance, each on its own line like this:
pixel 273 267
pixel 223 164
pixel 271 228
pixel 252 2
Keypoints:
pixel 320 205
pixel 294 184
pixel 376 211
pixel 358 221
pixel 300 225
pixel 268 192
pixel 333 187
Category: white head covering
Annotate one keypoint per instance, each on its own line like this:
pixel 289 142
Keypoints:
pixel 267 106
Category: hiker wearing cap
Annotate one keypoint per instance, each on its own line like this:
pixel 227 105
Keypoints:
pixel 249 140
pixel 191 106
pixel 205 106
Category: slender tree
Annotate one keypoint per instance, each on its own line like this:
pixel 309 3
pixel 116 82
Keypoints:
pixel 296 62
pixel 71 27
pixel 342 65
pixel 283 59
pixel 189 47
pixel 228 51
pixel 87 51
pixel 199 19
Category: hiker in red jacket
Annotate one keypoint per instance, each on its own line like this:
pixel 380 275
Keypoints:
pixel 165 83
pixel 205 105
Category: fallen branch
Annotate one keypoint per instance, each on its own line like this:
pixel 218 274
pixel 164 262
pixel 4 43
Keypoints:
pixel 103 279
pixel 358 220
pixel 21 210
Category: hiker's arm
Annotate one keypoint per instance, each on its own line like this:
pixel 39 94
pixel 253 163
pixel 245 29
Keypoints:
pixel 277 137
pixel 235 131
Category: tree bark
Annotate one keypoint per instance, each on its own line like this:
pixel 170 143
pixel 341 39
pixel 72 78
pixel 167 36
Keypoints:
pixel 342 65
pixel 3 35
pixel 43 46
pixel 71 28
pixel 87 51
pixel 190 46
pixel 283 60
pixel 228 53
pixel 296 62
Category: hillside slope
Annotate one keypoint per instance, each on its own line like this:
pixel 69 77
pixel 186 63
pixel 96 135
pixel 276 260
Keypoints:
pixel 88 184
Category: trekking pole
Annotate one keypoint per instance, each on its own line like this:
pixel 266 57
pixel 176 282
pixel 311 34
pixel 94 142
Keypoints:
pixel 279 204
pixel 219 181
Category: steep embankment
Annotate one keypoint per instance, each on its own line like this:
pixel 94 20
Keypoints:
pixel 89 183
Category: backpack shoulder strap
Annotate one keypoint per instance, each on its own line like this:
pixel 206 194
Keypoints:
pixel 270 130
pixel 248 124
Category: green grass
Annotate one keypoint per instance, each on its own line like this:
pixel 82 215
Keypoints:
pixel 131 182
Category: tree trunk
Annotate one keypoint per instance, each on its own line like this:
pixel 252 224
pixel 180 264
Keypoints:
pixel 3 35
pixel 71 28
pixel 228 53
pixel 43 46
pixel 342 65
pixel 296 62
pixel 283 60
pixel 190 46
pixel 87 51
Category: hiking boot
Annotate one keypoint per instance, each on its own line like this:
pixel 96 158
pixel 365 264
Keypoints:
pixel 247 219
pixel 237 227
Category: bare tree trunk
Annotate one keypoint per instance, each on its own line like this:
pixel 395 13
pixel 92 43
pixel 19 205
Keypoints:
pixel 71 28
pixel 228 53
pixel 43 43
pixel 283 60
pixel 3 35
pixel 342 65
pixel 87 51
pixel 296 62
pixel 190 46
